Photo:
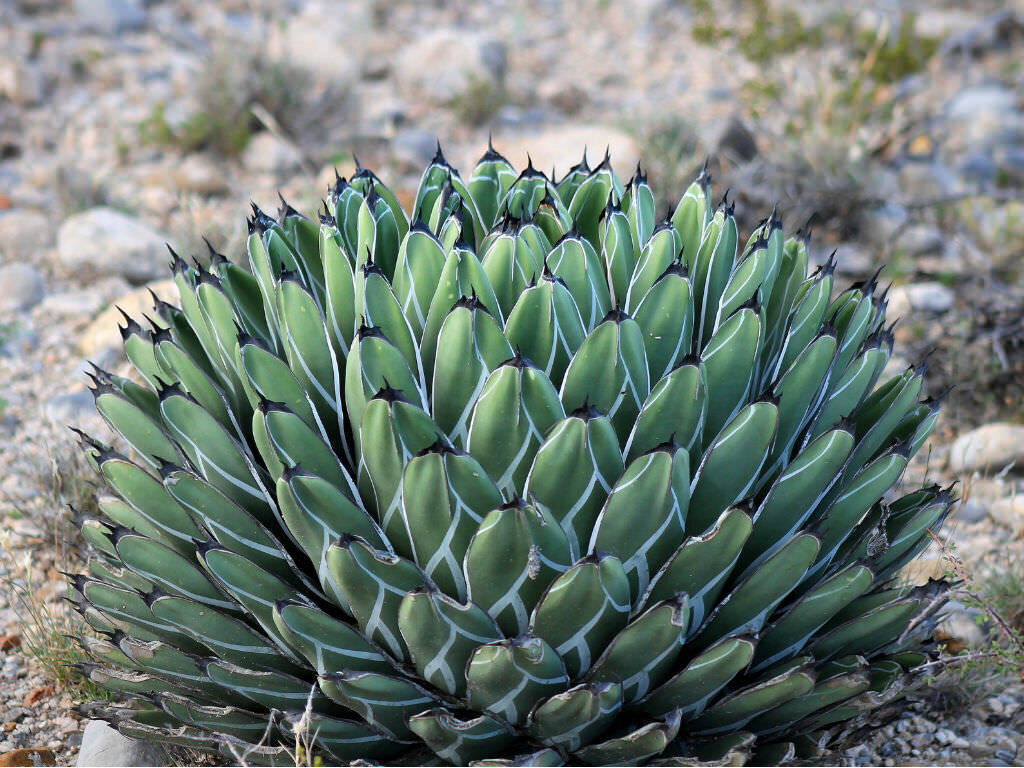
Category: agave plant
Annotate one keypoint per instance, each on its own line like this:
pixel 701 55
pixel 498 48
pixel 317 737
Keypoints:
pixel 532 479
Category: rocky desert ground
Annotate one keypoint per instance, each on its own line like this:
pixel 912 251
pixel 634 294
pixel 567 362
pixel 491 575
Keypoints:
pixel 895 126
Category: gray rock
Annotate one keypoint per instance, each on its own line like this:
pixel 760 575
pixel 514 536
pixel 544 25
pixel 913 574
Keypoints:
pixel 978 168
pixel 988 448
pixel 565 95
pixel 20 81
pixel 18 339
pixel 997 30
pixel 919 297
pixel 104 746
pixel 980 99
pixel 269 154
pixel 103 332
pixel 69 407
pixel 984 116
pixel 325 38
pixel 971 511
pixel 1009 513
pixel 414 147
pixel 445 62
pixel 852 258
pixel 110 17
pixel 921 240
pixel 883 223
pixel 927 180
pixel 23 233
pixel 102 241
pixel 21 287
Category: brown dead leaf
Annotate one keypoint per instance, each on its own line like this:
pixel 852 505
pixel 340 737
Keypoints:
pixel 37 694
pixel 28 757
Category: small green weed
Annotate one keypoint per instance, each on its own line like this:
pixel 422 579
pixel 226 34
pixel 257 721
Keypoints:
pixel 479 101
pixel 226 89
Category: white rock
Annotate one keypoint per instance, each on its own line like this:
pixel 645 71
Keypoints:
pixel 1009 513
pixel 562 148
pixel 23 233
pixel 919 297
pixel 103 334
pixel 984 115
pixel 102 241
pixel 920 240
pixel 110 17
pixel 445 62
pixel 21 287
pixel 324 38
pixel 268 154
pixel 69 305
pixel 21 82
pixel 104 746
pixel 198 173
pixel 983 99
pixel 988 448
pixel 960 625
pixel 852 258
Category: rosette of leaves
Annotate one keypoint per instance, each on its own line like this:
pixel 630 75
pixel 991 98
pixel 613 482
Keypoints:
pixel 520 476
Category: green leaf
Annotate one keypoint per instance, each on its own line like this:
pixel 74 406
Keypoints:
pixel 385 702
pixel 674 411
pixel 420 261
pixel 740 708
pixel 635 747
pixel 665 315
pixel 492 176
pixel 662 250
pixel 643 653
pixel 731 465
pixel 727 367
pixel 574 260
pixel 747 606
pixel 545 326
pixel 574 471
pixel 373 585
pixel 516 408
pixel 690 215
pixel 689 690
pixel 570 719
pixel 506 678
pixel 687 570
pixel 327 643
pixel 458 741
pixel 609 372
pixel 445 495
pixel 657 482
pixel 590 197
pixel 516 552
pixel 582 610
pixel 470 346
pixel 787 636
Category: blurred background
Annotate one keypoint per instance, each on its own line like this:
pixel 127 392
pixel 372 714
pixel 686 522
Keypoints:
pixel 895 127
